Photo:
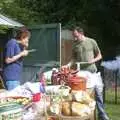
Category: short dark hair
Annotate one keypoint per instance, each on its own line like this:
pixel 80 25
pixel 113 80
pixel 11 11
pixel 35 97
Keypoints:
pixel 79 29
pixel 73 67
pixel 22 33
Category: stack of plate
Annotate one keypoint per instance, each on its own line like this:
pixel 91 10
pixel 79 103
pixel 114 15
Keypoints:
pixel 11 111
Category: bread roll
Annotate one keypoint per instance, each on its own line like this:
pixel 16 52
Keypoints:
pixel 66 108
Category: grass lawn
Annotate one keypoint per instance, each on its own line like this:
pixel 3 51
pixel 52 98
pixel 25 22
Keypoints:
pixel 112 109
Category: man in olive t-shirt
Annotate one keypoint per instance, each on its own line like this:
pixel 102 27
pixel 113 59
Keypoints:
pixel 87 51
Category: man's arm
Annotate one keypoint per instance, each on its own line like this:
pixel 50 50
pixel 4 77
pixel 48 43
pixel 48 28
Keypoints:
pixel 97 58
pixel 97 52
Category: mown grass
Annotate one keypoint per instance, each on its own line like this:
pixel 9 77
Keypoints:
pixel 112 108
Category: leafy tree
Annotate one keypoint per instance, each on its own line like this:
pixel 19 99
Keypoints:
pixel 100 18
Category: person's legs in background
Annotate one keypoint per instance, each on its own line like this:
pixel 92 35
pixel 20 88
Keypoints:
pixel 99 102
pixel 11 84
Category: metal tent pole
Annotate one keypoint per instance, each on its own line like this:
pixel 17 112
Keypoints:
pixel 116 72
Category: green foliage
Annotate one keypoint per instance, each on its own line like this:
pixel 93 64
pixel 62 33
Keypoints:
pixel 14 9
pixel 3 29
pixel 99 18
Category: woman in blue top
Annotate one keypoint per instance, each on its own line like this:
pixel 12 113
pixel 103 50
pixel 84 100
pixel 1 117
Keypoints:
pixel 15 50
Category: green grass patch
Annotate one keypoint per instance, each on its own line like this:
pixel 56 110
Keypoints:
pixel 113 110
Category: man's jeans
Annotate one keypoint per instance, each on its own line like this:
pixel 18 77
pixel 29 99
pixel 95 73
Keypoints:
pixel 99 102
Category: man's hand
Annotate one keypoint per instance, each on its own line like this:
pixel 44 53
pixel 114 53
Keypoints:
pixel 92 61
pixel 64 66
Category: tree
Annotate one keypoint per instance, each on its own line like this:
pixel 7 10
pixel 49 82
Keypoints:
pixel 100 18
pixel 13 8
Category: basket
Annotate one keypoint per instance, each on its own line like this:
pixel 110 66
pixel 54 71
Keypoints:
pixel 91 116
pixel 88 117
pixel 74 118
pixel 77 83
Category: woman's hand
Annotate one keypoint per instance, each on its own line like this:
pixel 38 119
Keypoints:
pixel 9 60
pixel 24 53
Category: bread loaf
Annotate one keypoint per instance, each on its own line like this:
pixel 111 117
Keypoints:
pixel 66 108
